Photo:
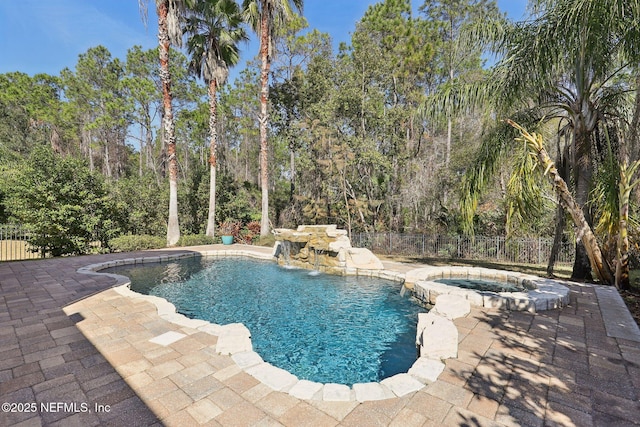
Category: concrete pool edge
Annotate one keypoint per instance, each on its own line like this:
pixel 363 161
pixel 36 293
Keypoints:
pixel 234 340
pixel 543 294
pixel 105 356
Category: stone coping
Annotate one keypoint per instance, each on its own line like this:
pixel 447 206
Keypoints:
pixel 234 340
pixel 542 294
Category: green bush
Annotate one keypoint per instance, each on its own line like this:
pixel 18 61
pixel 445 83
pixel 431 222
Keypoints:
pixel 62 202
pixel 131 243
pixel 195 240
pixel 143 203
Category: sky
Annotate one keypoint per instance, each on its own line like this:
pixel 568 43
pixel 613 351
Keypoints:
pixel 46 36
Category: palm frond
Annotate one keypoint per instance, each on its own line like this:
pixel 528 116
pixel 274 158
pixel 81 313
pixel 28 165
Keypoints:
pixel 278 13
pixel 525 201
pixel 214 29
pixel 175 21
pixel 497 144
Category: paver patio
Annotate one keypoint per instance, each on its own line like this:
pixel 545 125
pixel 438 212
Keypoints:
pixel 73 351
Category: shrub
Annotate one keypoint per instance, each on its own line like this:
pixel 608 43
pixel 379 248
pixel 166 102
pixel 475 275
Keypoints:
pixel 249 233
pixel 229 228
pixel 64 204
pixel 131 243
pixel 195 240
pixel 142 202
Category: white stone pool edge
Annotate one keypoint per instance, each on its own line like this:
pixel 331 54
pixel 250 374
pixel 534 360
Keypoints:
pixel 542 294
pixel 436 338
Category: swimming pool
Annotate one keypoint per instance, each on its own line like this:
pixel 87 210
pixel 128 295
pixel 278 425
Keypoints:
pixel 323 328
pixel 482 285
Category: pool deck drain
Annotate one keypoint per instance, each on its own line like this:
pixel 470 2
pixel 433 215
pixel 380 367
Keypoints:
pixel 67 337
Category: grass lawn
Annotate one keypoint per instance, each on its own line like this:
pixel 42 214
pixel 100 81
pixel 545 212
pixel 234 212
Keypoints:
pixel 561 271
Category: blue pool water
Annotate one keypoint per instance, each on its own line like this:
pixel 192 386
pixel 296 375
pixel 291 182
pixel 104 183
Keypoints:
pixel 481 285
pixel 321 328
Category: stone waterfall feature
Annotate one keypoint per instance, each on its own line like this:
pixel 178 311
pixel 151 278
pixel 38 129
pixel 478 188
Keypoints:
pixel 323 248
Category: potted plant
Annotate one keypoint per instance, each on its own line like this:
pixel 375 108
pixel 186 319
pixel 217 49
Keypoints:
pixel 228 230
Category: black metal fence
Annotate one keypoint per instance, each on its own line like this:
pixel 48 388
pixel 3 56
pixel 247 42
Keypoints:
pixel 501 249
pixel 14 244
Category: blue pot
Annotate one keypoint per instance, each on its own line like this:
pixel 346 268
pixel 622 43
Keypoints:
pixel 227 240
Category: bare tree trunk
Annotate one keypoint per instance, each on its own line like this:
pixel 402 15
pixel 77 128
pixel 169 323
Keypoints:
pixel 213 134
pixel 451 74
pixel 264 99
pixel 363 123
pixel 346 200
pixel 149 143
pixel 584 233
pixel 626 186
pixel 447 157
pixel 107 161
pixel 54 139
pixel 560 214
pixel 173 228
pixel 622 264
pixel 292 189
pixel 246 158
pixel 92 165
pixel 163 157
pixel 557 240
pixel 583 178
pixel 354 197
pixel 585 236
pixel 141 150
pixel 85 138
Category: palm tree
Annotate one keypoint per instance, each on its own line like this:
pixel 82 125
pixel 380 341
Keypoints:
pixel 535 144
pixel 214 28
pixel 170 14
pixel 568 64
pixel 265 16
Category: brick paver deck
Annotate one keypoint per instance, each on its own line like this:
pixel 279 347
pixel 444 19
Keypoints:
pixel 75 352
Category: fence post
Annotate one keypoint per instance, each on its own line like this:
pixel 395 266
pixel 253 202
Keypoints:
pixel 539 250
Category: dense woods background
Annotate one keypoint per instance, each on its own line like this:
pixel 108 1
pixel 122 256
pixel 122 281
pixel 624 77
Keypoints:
pixel 399 130
pixel 347 142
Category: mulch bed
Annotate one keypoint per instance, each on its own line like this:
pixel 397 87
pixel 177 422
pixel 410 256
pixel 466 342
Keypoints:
pixel 632 298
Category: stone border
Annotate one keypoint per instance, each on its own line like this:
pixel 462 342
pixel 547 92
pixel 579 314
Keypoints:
pixel 543 294
pixel 235 340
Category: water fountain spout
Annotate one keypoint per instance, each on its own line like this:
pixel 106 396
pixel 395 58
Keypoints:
pixel 286 251
pixel 316 261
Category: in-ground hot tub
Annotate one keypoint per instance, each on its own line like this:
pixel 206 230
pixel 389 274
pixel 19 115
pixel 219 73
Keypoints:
pixel 527 292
